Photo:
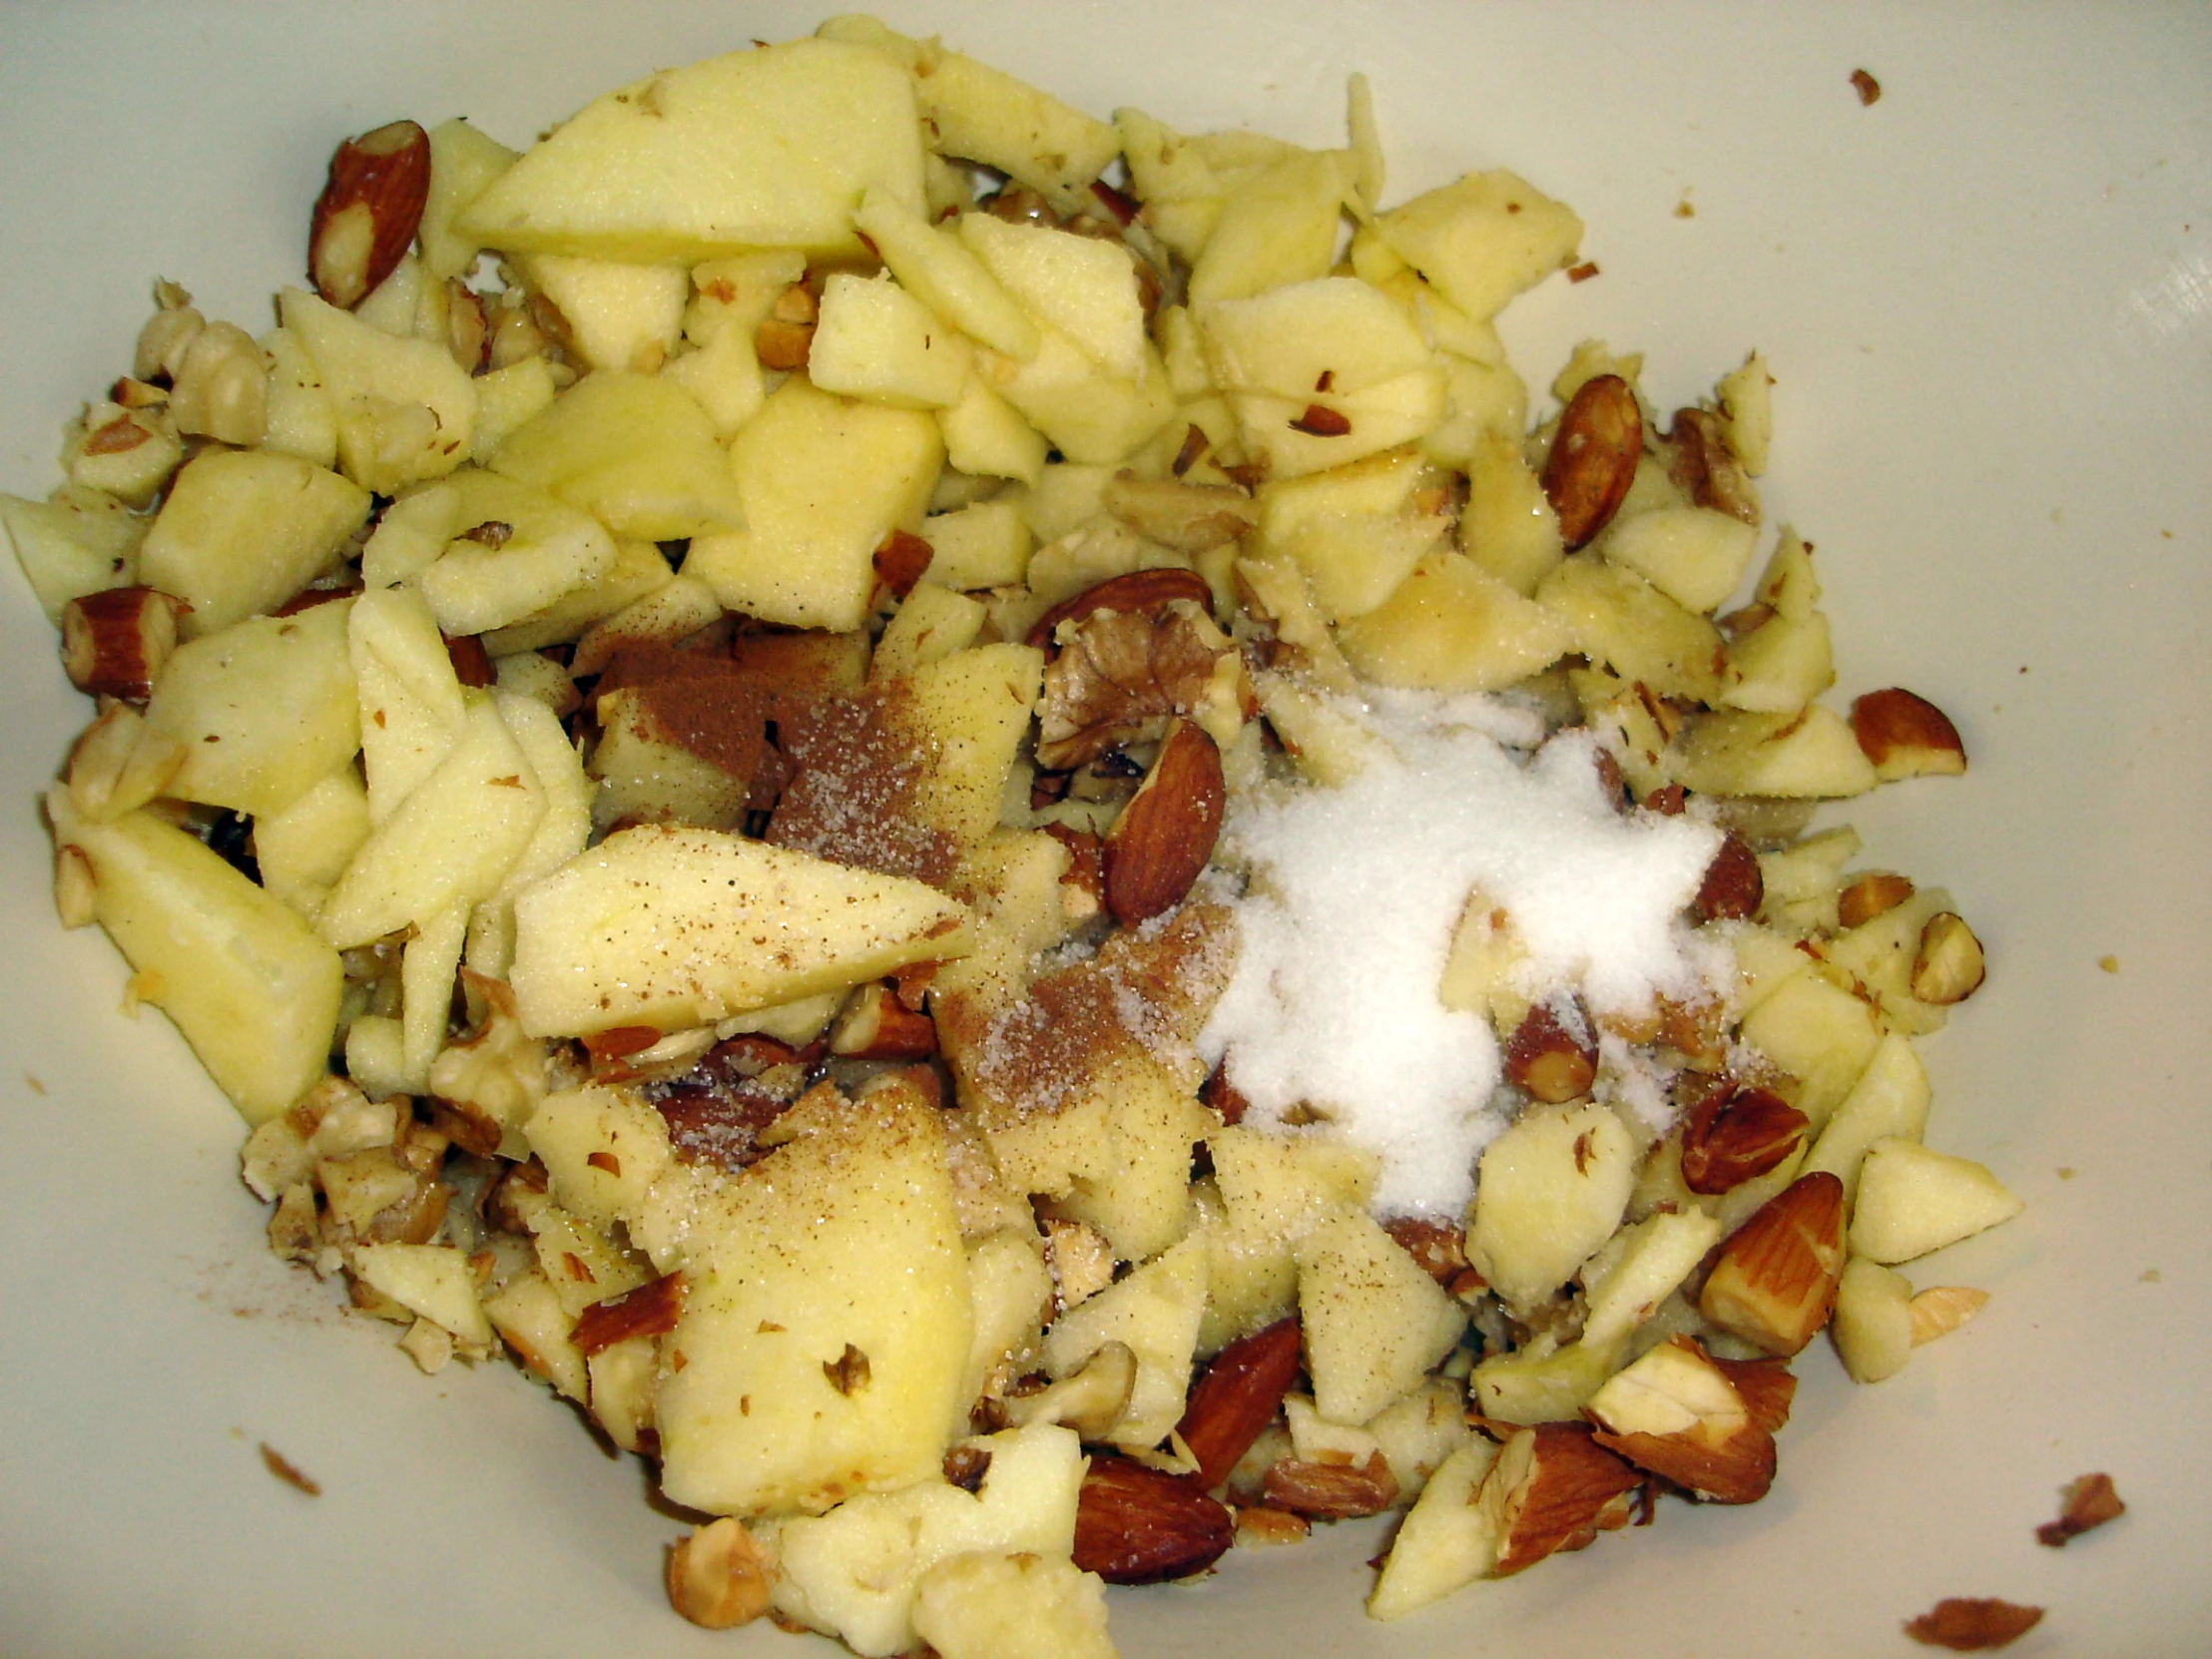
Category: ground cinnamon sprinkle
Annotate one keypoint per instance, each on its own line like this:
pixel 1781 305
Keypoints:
pixel 858 764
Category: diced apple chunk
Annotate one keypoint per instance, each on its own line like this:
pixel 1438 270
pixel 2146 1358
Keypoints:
pixel 1913 1201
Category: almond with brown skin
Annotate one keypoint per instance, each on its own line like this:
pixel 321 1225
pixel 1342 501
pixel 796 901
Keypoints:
pixel 1330 1492
pixel 1166 834
pixel 1773 1284
pixel 114 642
pixel 1768 1386
pixel 1974 1624
pixel 1552 1488
pixel 1140 1525
pixel 651 1310
pixel 1736 1134
pixel 1593 458
pixel 1733 888
pixel 1236 1397
pixel 1906 735
pixel 1675 1414
pixel 1551 1062
pixel 366 217
pixel 1139 593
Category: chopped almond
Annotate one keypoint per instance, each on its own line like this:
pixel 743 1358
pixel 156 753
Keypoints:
pixel 1775 1282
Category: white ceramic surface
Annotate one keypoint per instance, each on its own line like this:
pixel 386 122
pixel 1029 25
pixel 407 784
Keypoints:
pixel 1989 302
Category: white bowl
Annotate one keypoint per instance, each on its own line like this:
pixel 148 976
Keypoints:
pixel 1987 301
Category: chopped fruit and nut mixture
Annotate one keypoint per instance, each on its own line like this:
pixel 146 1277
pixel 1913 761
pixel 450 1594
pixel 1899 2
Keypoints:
pixel 993 852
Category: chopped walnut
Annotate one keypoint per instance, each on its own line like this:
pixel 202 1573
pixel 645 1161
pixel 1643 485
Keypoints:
pixel 1123 677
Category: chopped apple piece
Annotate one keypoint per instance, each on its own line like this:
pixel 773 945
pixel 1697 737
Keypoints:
pixel 1913 1201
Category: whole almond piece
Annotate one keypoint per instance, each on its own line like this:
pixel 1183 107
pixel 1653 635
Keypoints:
pixel 1552 1488
pixel 651 1310
pixel 1906 735
pixel 1138 592
pixel 1773 1284
pixel 1736 1134
pixel 1166 834
pixel 1140 1525
pixel 368 212
pixel 1238 1398
pixel 1593 458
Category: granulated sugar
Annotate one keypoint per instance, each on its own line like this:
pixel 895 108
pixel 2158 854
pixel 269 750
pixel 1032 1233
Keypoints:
pixel 1356 894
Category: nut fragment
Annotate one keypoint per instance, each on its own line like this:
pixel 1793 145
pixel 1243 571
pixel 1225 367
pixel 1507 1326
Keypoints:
pixel 1166 834
pixel 1593 457
pixel 1768 1389
pixel 2091 1501
pixel 1141 592
pixel 1705 469
pixel 876 1025
pixel 1941 1308
pixel 1775 1282
pixel 1552 1488
pixel 718 1577
pixel 1090 1401
pixel 1332 1491
pixel 1906 735
pixel 1974 1624
pixel 116 642
pixel 1441 1247
pixel 1320 421
pixel 1948 967
pixel 1139 1525
pixel 651 1310
pixel 1553 1063
pixel 1865 897
pixel 1733 888
pixel 76 888
pixel 1675 1414
pixel 1736 1134
pixel 786 334
pixel 902 561
pixel 1191 519
pixel 368 210
pixel 1236 1397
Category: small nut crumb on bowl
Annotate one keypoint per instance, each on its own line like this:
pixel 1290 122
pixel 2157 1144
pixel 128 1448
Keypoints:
pixel 1013 850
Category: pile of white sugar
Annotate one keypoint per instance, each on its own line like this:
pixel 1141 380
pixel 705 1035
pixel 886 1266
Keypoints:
pixel 1355 893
